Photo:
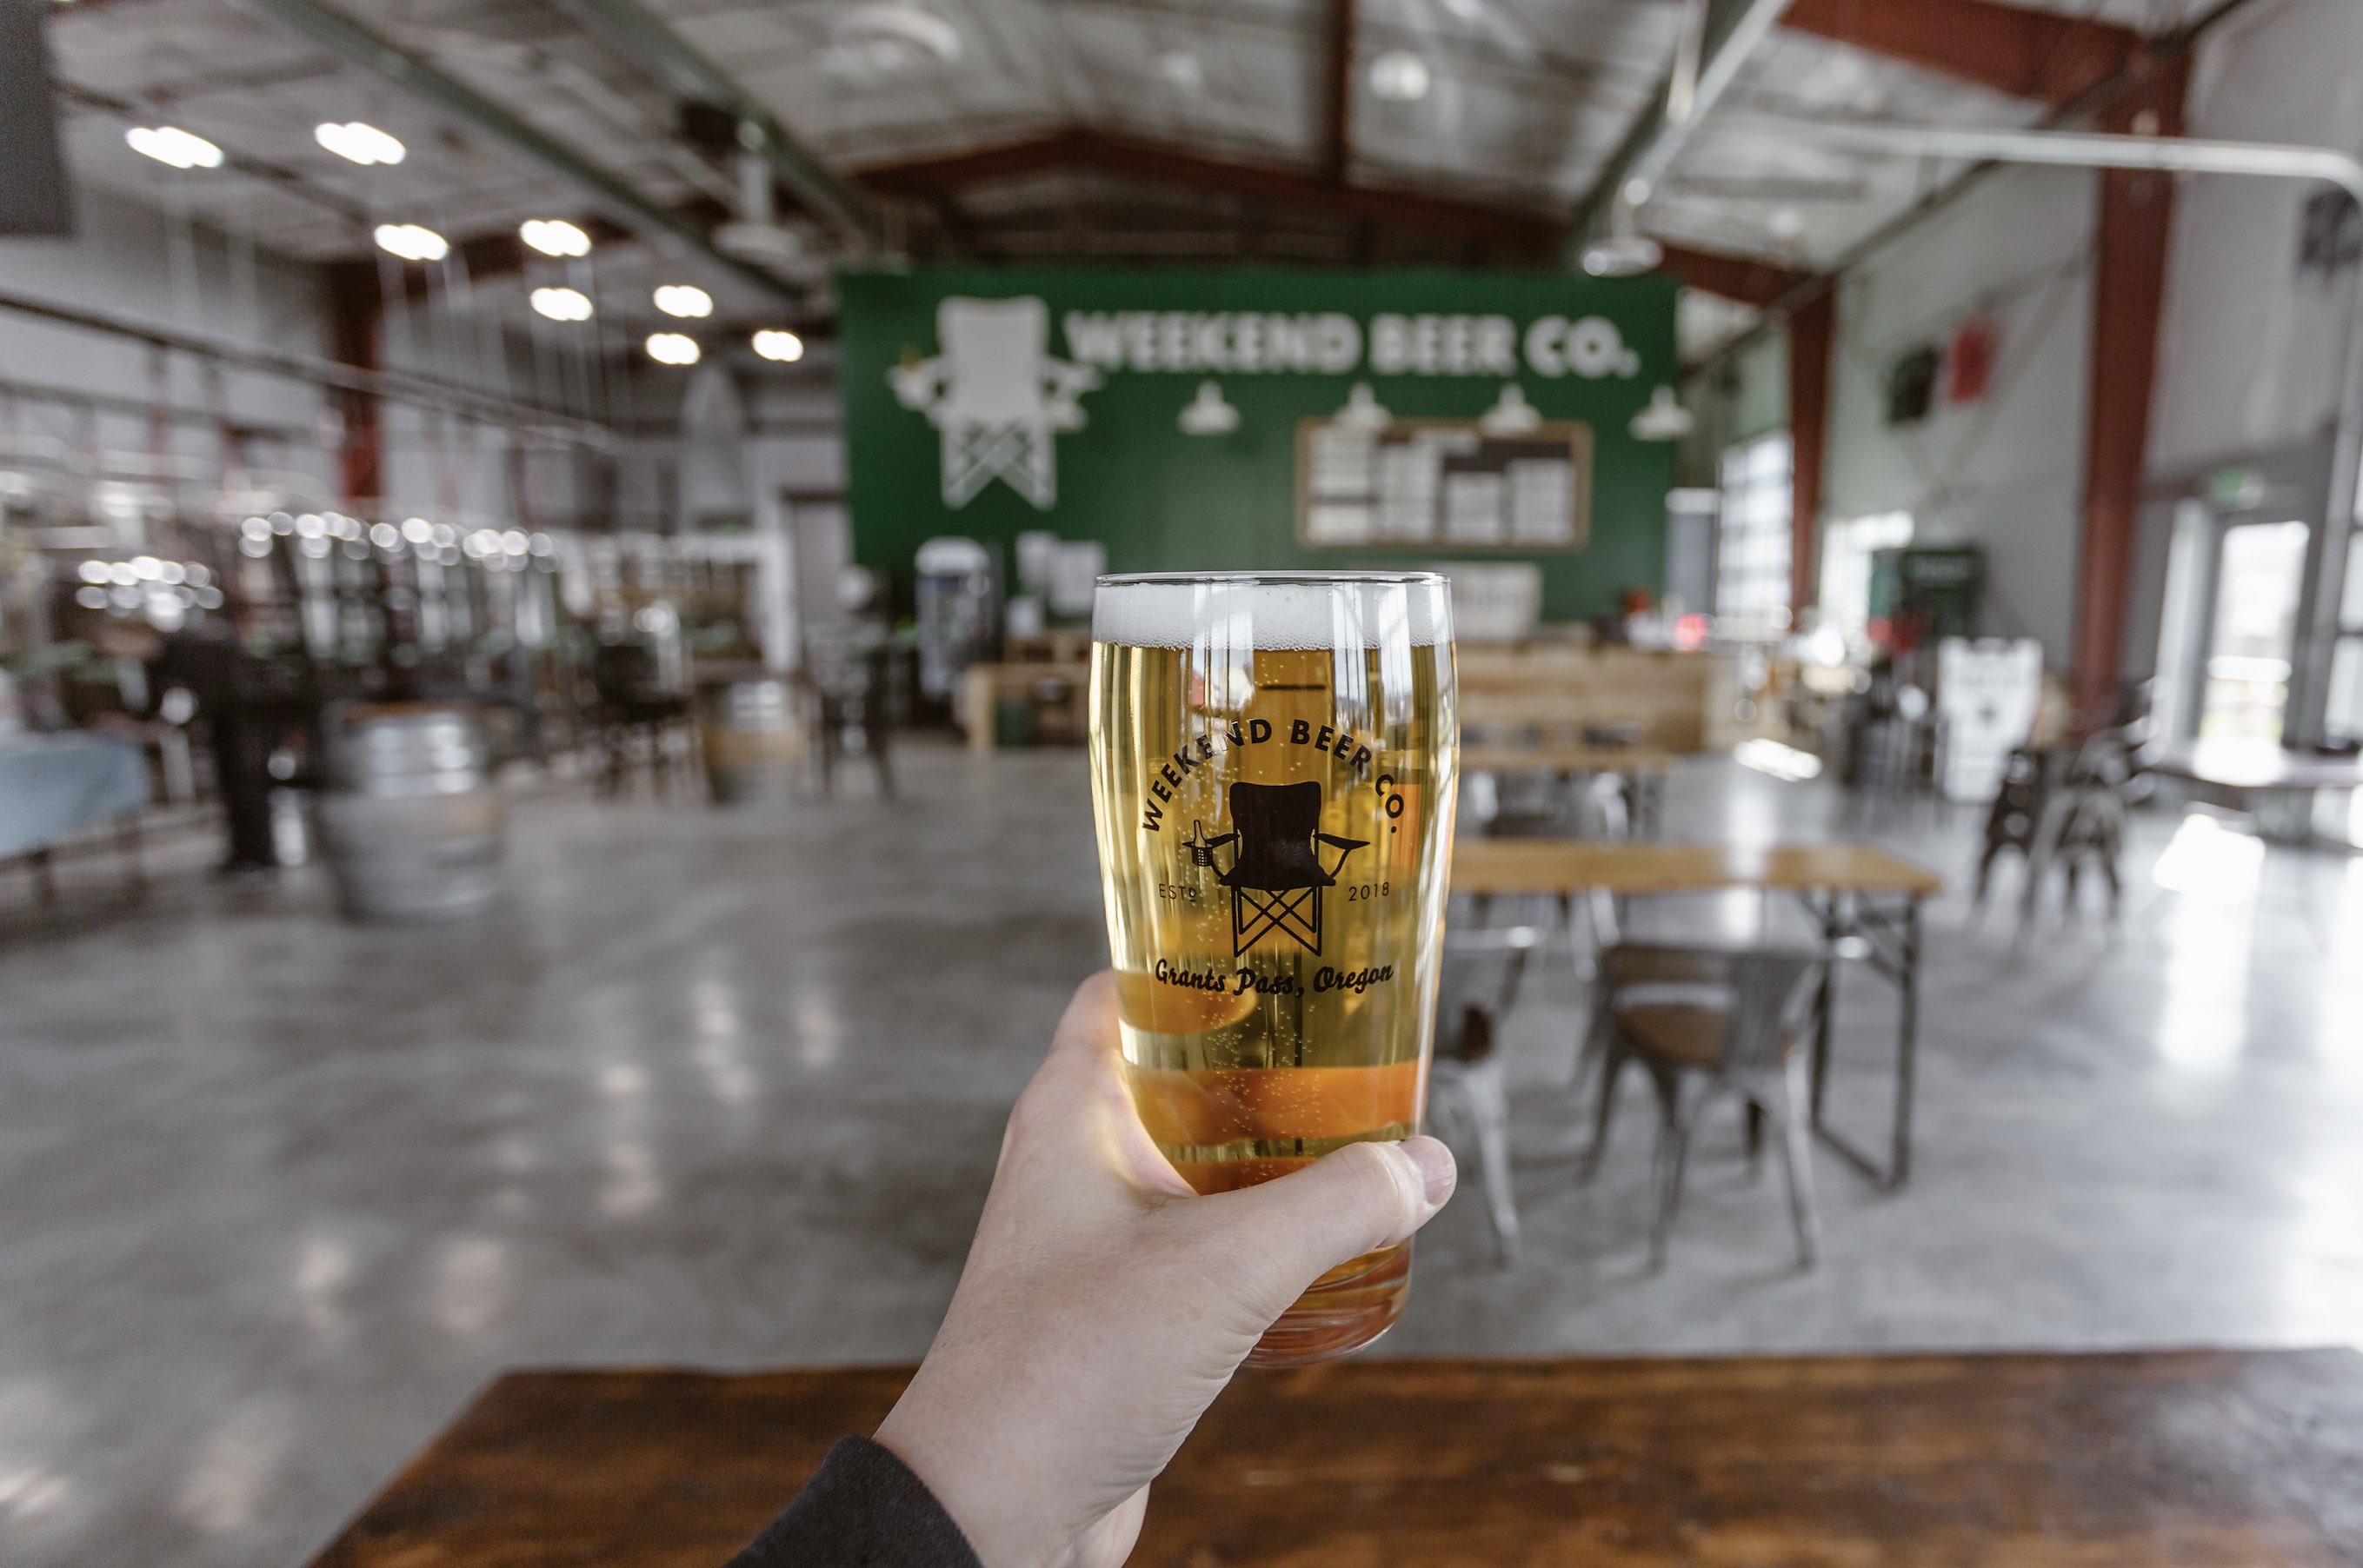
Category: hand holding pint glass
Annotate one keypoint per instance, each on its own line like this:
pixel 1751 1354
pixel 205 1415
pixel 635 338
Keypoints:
pixel 1274 762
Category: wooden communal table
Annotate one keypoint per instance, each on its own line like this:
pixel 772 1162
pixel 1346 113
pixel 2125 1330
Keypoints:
pixel 1864 901
pixel 2140 1460
pixel 2241 770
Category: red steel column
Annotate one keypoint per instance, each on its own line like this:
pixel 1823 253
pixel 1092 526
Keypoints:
pixel 1812 338
pixel 356 329
pixel 2137 209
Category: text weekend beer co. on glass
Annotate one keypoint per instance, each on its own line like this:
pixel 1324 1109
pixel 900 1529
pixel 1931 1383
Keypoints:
pixel 1272 769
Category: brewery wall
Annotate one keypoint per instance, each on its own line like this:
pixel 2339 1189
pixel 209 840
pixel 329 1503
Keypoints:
pixel 2249 341
pixel 2004 469
pixel 1161 495
pixel 2247 349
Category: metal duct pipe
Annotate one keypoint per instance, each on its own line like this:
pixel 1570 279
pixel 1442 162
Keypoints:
pixel 1715 60
pixel 395 386
pixel 646 38
pixel 2083 149
pixel 1718 36
pixel 349 40
pixel 2309 694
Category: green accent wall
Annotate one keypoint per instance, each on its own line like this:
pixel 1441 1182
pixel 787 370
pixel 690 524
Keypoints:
pixel 1162 499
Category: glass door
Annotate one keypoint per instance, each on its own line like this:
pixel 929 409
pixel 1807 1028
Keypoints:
pixel 2252 631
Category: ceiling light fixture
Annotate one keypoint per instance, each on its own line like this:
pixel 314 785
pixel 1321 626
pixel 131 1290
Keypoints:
pixel 562 304
pixel 1624 251
pixel 777 342
pixel 1208 413
pixel 683 298
pixel 1181 71
pixel 673 348
pixel 1511 414
pixel 1663 419
pixel 554 237
pixel 1363 411
pixel 412 242
pixel 171 144
pixel 357 141
pixel 1399 76
pixel 888 39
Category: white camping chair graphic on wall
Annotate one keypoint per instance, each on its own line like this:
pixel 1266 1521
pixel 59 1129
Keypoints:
pixel 1276 875
pixel 998 395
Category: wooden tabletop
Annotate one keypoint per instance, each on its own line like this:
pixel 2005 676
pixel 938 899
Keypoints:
pixel 2136 1461
pixel 1567 865
pixel 1563 757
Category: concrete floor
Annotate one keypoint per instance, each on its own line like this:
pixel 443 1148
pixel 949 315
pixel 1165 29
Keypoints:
pixel 725 1089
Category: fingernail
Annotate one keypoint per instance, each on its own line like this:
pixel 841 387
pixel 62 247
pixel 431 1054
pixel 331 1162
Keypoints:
pixel 1438 1174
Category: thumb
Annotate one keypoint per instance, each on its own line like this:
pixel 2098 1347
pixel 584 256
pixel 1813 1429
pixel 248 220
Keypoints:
pixel 1283 1235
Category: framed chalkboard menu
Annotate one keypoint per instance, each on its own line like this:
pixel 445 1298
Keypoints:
pixel 1443 481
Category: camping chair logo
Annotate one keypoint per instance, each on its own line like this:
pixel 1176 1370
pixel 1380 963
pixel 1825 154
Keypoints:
pixel 998 397
pixel 1275 877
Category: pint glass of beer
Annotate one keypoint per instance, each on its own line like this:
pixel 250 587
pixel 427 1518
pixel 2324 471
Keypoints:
pixel 1273 759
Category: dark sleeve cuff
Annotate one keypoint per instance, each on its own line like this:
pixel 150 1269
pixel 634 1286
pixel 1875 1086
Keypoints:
pixel 862 1508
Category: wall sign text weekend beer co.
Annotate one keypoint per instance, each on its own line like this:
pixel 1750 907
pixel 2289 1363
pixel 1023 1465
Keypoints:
pixel 1334 344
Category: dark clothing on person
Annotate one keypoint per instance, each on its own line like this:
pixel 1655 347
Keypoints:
pixel 862 1508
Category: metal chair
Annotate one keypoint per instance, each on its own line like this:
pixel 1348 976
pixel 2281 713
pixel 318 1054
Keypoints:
pixel 1542 803
pixel 638 717
pixel 1704 1023
pixel 1586 806
pixel 1481 969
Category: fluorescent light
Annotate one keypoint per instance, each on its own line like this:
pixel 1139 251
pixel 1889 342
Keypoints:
pixel 357 141
pixel 554 237
pixel 775 343
pixel 683 298
pixel 171 144
pixel 1399 75
pixel 412 242
pixel 673 348
pixel 562 304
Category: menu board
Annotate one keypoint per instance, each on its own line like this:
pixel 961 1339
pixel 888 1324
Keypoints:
pixel 1443 481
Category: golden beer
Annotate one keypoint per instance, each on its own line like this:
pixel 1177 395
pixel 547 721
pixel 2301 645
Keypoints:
pixel 1273 769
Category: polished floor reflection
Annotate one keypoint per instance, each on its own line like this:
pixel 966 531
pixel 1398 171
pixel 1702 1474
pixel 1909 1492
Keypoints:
pixel 725 1089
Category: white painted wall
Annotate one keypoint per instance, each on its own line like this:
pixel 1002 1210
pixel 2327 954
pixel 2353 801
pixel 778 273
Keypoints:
pixel 2006 471
pixel 141 263
pixel 134 261
pixel 2248 349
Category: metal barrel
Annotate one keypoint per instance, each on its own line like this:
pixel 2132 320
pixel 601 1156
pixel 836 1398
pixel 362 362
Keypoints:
pixel 411 821
pixel 753 736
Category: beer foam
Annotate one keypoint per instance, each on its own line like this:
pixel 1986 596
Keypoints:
pixel 1302 613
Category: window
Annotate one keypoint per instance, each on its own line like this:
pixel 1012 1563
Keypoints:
pixel 1846 549
pixel 2260 571
pixel 1751 591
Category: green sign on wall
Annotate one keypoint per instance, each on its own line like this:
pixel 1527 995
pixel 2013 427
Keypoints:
pixel 992 403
